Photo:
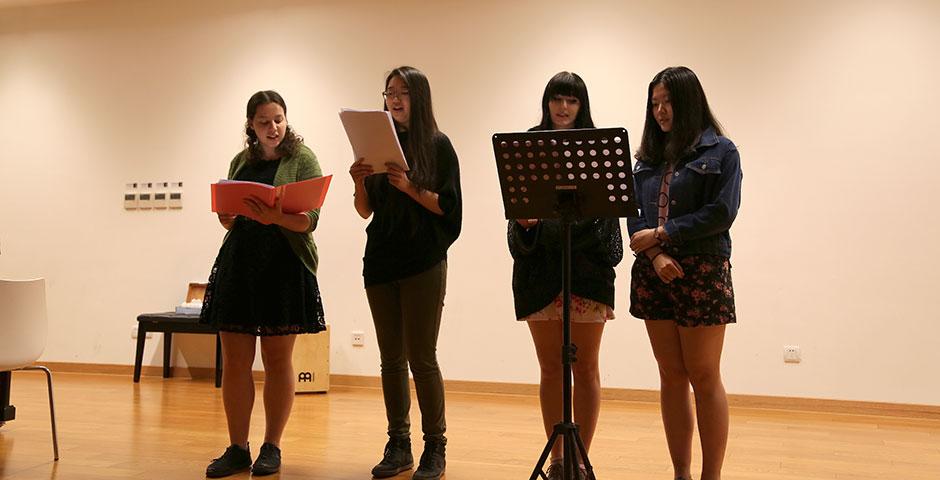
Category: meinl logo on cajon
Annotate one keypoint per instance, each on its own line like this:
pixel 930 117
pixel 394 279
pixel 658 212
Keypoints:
pixel 311 360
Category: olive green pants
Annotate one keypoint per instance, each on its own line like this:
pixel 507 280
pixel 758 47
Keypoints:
pixel 407 317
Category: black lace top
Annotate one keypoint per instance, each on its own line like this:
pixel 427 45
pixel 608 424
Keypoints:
pixel 596 248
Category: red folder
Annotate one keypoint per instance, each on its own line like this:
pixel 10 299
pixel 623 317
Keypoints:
pixel 228 195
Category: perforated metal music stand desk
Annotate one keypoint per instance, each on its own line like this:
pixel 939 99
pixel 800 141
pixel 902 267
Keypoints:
pixel 567 175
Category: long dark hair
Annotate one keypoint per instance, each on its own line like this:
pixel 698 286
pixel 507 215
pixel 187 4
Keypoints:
pixel 690 117
pixel 289 143
pixel 570 85
pixel 422 128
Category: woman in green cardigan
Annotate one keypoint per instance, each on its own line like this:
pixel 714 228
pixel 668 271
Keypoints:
pixel 263 284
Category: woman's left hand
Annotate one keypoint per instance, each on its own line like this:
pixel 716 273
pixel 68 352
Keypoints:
pixel 643 240
pixel 399 178
pixel 264 214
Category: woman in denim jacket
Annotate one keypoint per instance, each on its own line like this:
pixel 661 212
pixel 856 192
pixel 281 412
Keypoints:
pixel 688 184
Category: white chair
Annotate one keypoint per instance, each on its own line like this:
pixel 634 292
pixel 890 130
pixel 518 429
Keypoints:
pixel 23 329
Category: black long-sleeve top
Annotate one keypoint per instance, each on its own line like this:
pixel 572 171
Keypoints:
pixel 404 238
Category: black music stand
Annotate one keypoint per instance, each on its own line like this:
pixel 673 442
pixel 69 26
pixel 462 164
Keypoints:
pixel 568 175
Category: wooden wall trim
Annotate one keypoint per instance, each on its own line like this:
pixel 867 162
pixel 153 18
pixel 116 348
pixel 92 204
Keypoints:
pixel 798 404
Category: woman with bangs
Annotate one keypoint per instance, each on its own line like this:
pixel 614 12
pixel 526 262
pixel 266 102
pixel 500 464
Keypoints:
pixel 536 248
pixel 688 183
pixel 416 216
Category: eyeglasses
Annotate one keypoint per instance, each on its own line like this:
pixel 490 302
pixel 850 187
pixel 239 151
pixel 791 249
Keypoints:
pixel 389 94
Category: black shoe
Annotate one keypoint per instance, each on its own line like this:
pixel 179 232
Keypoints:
pixel 555 471
pixel 432 462
pixel 234 460
pixel 397 458
pixel 583 473
pixel 268 461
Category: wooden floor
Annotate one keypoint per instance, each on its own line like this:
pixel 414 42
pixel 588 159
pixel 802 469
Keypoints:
pixel 110 428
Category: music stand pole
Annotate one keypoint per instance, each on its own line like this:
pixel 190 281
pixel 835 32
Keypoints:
pixel 567 429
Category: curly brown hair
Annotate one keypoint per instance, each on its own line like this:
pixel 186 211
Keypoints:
pixel 288 145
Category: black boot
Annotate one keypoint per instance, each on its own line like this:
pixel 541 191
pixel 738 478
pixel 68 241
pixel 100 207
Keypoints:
pixel 397 458
pixel 268 461
pixel 234 460
pixel 432 462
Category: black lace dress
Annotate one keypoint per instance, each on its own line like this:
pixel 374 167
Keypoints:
pixel 258 285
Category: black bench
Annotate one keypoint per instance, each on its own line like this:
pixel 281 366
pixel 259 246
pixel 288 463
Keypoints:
pixel 169 323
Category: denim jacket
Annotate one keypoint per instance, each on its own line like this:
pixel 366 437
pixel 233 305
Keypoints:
pixel 705 194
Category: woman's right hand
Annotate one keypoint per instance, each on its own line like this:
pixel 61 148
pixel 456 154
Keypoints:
pixel 359 171
pixel 667 268
pixel 643 240
pixel 227 220
pixel 527 222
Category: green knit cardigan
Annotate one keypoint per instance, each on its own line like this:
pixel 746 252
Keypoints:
pixel 302 165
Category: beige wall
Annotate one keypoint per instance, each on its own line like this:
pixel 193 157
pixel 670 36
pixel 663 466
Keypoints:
pixel 832 105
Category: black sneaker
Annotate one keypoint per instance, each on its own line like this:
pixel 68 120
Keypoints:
pixel 268 461
pixel 234 460
pixel 432 462
pixel 396 459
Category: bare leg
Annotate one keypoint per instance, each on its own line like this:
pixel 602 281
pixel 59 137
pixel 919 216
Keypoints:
pixel 547 337
pixel 238 387
pixel 674 398
pixel 701 348
pixel 587 378
pixel 277 355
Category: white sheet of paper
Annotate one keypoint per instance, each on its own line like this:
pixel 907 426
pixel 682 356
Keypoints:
pixel 372 136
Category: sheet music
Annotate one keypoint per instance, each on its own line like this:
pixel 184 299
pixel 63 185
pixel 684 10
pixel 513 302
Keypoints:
pixel 372 136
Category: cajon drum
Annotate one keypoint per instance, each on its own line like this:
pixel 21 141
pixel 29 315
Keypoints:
pixel 312 362
pixel 196 291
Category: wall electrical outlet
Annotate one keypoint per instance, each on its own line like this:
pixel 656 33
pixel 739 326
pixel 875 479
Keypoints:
pixel 160 195
pixel 176 199
pixel 145 195
pixel 176 195
pixel 792 354
pixel 130 196
pixel 159 200
pixel 134 332
pixel 358 338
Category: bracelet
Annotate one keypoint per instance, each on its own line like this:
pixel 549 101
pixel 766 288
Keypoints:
pixel 654 256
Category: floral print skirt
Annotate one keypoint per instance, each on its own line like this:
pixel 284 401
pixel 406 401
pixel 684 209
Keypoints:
pixel 703 297
pixel 583 310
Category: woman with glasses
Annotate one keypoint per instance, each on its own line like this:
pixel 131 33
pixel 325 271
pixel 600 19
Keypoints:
pixel 688 183
pixel 416 216
pixel 536 248
pixel 263 284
